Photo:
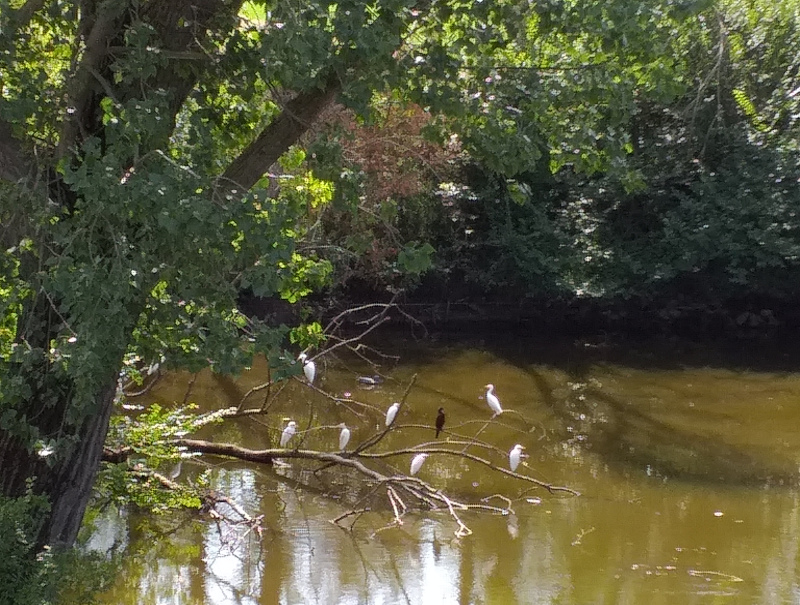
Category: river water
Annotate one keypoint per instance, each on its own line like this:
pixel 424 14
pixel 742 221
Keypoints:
pixel 685 456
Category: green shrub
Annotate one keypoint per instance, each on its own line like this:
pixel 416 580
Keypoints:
pixel 31 576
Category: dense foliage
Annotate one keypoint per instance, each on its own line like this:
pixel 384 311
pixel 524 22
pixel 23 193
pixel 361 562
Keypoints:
pixel 676 184
pixel 33 577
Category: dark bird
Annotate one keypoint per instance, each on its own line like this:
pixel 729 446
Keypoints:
pixel 439 422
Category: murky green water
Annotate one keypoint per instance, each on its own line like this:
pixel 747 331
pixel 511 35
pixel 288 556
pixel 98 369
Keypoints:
pixel 686 457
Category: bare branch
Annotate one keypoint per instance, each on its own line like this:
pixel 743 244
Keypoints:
pixel 350 513
pixel 461 454
pixel 394 499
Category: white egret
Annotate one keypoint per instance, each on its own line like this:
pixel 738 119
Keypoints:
pixel 416 462
pixel 514 456
pixel 344 436
pixel 391 413
pixel 309 367
pixel 288 432
pixel 492 400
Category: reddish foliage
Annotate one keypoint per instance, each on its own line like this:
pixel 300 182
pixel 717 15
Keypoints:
pixel 397 159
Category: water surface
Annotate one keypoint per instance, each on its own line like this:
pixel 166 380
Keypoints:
pixel 686 458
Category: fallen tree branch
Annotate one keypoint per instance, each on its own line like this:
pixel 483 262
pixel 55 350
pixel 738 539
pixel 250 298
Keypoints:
pixel 426 495
pixel 404 492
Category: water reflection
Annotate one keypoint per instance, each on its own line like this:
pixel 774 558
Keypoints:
pixel 688 477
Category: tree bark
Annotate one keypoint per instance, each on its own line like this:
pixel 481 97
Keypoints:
pixel 76 478
pixel 298 115
pixel 68 482
pixel 12 161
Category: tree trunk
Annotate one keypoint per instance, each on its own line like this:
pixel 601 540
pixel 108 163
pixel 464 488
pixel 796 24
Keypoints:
pixel 74 480
pixel 68 483
pixel 47 409
pixel 296 118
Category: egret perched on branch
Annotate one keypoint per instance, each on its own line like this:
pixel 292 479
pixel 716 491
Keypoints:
pixel 492 400
pixel 288 432
pixel 344 436
pixel 309 368
pixel 416 462
pixel 391 413
pixel 514 456
pixel 439 422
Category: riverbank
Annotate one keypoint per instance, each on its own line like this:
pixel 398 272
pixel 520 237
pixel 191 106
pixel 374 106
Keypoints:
pixel 746 318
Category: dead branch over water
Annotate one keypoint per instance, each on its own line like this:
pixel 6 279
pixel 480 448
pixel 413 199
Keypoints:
pixel 400 493
pixel 403 491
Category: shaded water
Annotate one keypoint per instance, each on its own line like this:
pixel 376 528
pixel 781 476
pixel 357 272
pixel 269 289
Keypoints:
pixel 686 458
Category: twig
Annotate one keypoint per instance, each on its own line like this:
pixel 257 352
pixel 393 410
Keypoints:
pixel 343 400
pixel 501 497
pixel 580 536
pixel 350 513
pixel 462 530
pixel 144 390
pixel 480 430
pixel 394 499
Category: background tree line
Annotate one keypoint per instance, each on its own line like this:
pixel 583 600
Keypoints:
pixel 694 203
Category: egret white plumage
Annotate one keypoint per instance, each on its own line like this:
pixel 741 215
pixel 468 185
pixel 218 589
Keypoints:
pixel 514 456
pixel 391 413
pixel 344 436
pixel 492 400
pixel 309 367
pixel 288 432
pixel 416 462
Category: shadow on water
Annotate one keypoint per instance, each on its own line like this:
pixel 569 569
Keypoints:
pixel 676 446
pixel 634 438
pixel 628 436
pixel 739 352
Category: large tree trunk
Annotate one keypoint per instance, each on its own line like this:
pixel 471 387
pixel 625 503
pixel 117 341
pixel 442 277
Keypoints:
pixel 68 483
pixel 46 407
pixel 74 480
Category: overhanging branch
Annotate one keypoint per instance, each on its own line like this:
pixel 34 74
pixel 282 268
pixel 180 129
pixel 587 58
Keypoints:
pixel 283 132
